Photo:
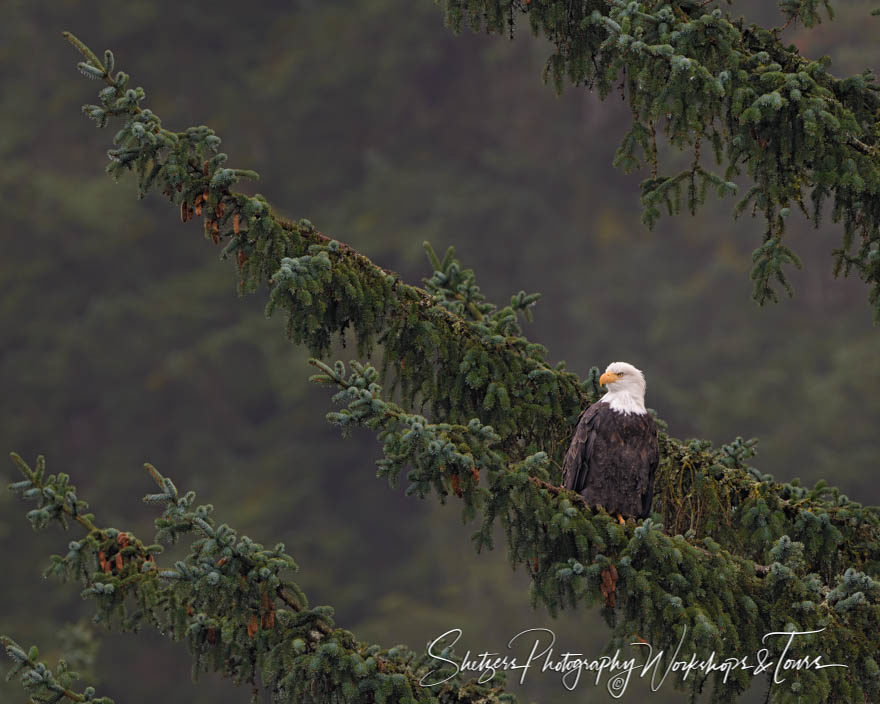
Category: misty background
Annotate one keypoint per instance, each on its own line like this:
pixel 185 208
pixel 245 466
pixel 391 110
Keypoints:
pixel 122 339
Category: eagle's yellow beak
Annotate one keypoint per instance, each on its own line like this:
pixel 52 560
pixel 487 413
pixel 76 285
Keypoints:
pixel 607 378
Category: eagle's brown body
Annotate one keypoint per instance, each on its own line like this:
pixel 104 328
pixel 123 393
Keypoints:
pixel 612 460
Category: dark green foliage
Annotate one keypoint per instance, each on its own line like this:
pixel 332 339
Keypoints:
pixel 230 599
pixel 45 685
pixel 728 555
pixel 699 76
pixel 739 558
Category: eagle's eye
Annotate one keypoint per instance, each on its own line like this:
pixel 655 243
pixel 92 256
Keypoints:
pixel 619 373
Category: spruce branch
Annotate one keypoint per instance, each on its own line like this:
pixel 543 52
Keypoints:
pixel 226 600
pixel 691 71
pixel 716 558
pixel 326 287
pixel 446 459
pixel 43 684
pixel 288 593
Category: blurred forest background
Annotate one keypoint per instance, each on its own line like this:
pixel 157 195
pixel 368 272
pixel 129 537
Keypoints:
pixel 128 344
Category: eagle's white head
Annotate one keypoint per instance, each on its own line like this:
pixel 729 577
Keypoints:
pixel 626 388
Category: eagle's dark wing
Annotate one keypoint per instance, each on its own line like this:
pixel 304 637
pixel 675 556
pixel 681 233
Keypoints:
pixel 576 466
pixel 653 459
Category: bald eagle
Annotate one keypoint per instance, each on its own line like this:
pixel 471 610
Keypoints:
pixel 614 453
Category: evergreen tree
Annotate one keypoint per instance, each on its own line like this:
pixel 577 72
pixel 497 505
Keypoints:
pixel 480 415
pixel 699 76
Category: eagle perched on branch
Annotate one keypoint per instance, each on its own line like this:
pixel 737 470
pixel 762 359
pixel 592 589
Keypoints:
pixel 614 453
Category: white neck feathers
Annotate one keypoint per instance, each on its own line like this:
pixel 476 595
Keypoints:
pixel 623 401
